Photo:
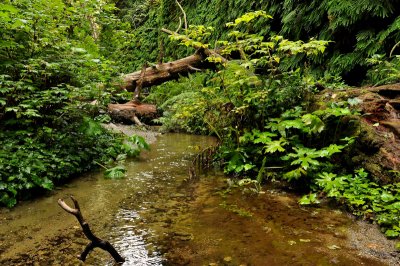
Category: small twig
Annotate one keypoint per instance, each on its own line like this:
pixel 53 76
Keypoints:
pixel 180 25
pixel 137 121
pixel 139 84
pixel 101 165
pixel 95 242
pixel 394 47
pixel 184 14
pixel 194 68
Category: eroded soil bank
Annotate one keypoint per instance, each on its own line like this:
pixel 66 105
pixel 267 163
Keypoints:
pixel 158 216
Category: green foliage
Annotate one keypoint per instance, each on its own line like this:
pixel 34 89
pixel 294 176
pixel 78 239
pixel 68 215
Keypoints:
pixel 248 17
pixel 283 145
pixel 31 161
pixel 54 62
pixel 238 105
pixel 309 199
pixel 237 94
pixel 363 198
pixel 115 172
pixel 357 29
pixel 384 70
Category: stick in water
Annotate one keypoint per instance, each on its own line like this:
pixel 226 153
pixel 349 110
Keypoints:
pixel 95 242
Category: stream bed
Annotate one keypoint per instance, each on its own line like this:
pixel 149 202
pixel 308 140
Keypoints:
pixel 157 215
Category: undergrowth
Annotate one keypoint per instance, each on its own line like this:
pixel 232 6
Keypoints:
pixel 56 74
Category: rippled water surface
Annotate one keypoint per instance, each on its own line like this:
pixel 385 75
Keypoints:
pixel 157 216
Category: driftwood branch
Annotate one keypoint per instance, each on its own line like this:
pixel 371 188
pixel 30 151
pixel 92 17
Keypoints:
pixel 95 242
pixel 137 121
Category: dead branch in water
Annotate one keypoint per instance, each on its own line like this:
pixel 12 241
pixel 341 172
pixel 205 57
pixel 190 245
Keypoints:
pixel 95 242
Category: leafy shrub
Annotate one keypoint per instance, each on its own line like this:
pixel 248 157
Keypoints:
pixel 32 161
pixel 363 197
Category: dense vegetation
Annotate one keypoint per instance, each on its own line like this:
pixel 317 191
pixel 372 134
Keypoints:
pixel 60 59
pixel 357 29
pixel 53 64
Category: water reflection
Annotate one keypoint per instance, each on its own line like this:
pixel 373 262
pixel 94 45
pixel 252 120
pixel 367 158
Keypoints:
pixel 130 240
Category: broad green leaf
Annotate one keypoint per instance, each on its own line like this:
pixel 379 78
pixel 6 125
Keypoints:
pixel 264 137
pixel 387 197
pixel 276 145
pixel 314 123
pixel 309 199
pixel 116 172
pixel 392 233
pixel 294 174
pixel 305 162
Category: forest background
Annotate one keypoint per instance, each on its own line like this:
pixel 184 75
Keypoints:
pixel 60 62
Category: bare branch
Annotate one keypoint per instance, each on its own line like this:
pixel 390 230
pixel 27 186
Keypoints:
pixel 394 47
pixel 180 25
pixel 137 121
pixel 194 68
pixel 95 242
pixel 139 84
pixel 184 14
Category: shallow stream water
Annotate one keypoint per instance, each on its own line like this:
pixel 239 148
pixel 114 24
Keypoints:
pixel 158 216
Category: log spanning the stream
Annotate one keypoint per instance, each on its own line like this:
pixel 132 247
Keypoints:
pixel 95 242
pixel 162 72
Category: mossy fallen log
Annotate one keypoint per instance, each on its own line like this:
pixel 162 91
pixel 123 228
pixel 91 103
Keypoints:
pixel 377 147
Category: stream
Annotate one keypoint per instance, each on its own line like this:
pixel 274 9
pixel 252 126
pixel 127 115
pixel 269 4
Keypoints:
pixel 158 216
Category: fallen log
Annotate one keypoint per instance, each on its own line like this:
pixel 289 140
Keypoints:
pixel 160 73
pixel 95 242
pixel 132 111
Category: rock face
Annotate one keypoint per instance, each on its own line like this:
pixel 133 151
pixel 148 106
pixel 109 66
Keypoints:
pixel 378 145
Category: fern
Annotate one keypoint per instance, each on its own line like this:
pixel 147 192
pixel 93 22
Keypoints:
pixel 357 29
